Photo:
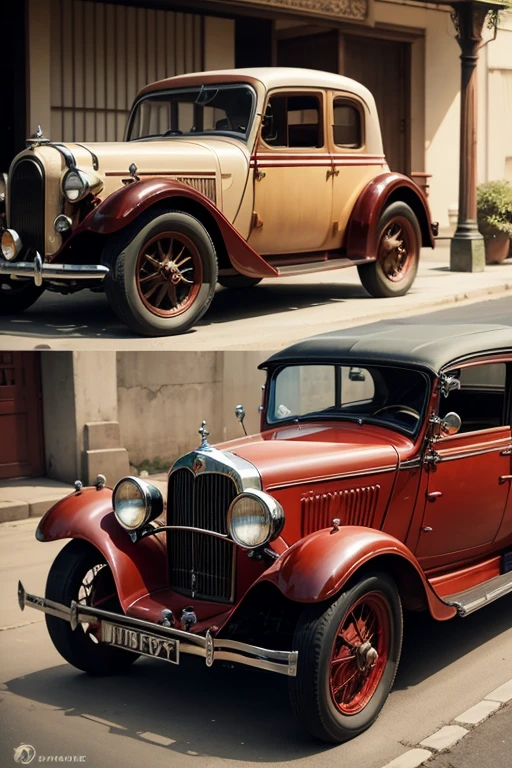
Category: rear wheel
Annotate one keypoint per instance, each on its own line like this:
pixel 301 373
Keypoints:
pixel 397 253
pixel 80 573
pixel 17 295
pixel 163 273
pixel 238 281
pixel 348 658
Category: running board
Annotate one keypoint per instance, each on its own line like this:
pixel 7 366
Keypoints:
pixel 315 266
pixel 477 597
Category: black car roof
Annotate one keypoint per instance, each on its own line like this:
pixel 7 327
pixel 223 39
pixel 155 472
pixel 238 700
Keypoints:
pixel 431 347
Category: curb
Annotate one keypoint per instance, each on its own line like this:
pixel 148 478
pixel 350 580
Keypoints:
pixel 449 735
pixel 18 509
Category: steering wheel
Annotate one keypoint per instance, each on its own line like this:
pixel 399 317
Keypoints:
pixel 397 407
pixel 173 132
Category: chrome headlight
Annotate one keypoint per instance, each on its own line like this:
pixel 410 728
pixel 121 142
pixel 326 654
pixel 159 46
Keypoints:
pixel 77 184
pixel 3 187
pixel 136 503
pixel 254 519
pixel 11 244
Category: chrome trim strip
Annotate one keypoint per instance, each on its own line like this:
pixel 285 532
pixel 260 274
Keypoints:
pixel 467 455
pixel 40 271
pixel 210 648
pixel 324 478
pixel 411 463
pixel 160 528
pixel 209 459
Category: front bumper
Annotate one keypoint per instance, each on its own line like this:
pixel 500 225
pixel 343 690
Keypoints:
pixel 40 271
pixel 139 636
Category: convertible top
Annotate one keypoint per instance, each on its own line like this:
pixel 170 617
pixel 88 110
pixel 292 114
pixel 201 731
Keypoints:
pixel 431 347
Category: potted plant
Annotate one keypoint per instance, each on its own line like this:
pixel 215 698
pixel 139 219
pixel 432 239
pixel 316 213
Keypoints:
pixel 494 207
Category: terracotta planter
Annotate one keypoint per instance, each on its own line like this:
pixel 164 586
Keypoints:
pixel 496 249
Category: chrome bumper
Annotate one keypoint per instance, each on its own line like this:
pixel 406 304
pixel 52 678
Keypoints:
pixel 40 271
pixel 210 648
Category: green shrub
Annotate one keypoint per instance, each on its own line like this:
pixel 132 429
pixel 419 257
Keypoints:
pixel 494 208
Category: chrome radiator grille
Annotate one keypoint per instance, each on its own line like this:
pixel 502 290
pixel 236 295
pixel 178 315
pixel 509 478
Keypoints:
pixel 26 203
pixel 200 565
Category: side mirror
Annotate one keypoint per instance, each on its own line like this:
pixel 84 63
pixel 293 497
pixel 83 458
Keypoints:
pixel 240 415
pixel 451 424
pixel 356 374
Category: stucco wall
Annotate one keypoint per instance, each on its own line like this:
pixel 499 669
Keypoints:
pixel 496 106
pixel 162 399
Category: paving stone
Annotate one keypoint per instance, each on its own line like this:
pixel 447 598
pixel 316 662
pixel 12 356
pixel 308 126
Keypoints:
pixel 501 694
pixel 411 759
pixel 479 712
pixel 444 737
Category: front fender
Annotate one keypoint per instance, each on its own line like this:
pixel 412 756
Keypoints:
pixel 318 566
pixel 361 235
pixel 137 568
pixel 125 204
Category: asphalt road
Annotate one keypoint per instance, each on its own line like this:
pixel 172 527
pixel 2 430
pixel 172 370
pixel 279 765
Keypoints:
pixel 271 315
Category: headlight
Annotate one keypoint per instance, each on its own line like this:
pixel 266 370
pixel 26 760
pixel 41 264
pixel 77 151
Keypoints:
pixel 77 184
pixel 254 519
pixel 11 244
pixel 136 502
pixel 3 187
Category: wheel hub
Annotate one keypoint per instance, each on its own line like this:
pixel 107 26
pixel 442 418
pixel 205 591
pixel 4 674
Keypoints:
pixel 366 657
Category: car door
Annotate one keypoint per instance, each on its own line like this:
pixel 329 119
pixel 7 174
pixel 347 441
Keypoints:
pixel 292 175
pixel 469 484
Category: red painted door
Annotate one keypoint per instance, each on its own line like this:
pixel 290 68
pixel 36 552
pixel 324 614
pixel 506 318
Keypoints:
pixel 21 431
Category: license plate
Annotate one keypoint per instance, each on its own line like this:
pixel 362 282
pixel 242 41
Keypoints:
pixel 141 642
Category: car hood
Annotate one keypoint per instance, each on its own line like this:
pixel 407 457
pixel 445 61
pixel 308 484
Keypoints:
pixel 302 453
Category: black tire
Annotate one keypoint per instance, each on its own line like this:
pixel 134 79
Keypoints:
pixel 17 295
pixel 124 255
pixel 77 647
pixel 377 276
pixel 311 695
pixel 238 281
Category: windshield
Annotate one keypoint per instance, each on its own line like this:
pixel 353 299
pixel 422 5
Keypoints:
pixel 205 109
pixel 392 396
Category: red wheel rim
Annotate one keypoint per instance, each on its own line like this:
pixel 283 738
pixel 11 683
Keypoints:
pixel 96 590
pixel 397 250
pixel 169 274
pixel 360 653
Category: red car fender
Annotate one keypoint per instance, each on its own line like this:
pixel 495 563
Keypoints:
pixel 317 567
pixel 124 205
pixel 137 568
pixel 360 240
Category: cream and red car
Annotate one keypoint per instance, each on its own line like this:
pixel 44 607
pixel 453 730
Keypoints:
pixel 228 177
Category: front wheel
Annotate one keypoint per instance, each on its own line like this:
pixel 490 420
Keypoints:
pixel 80 573
pixel 348 658
pixel 163 273
pixel 398 246
pixel 17 295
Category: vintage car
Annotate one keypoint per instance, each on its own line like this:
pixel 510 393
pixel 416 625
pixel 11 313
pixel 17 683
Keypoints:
pixel 380 479
pixel 229 177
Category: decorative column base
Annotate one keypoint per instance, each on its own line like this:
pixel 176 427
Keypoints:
pixel 467 254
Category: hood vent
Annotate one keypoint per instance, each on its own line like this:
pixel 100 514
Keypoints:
pixel 205 185
pixel 354 506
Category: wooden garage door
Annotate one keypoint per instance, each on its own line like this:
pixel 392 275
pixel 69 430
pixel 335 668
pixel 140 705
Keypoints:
pixel 21 442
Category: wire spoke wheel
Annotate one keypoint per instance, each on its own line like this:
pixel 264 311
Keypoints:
pixel 359 654
pixel 397 250
pixel 169 274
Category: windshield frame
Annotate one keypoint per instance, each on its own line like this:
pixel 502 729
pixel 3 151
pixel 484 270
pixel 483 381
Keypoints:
pixel 186 89
pixel 336 415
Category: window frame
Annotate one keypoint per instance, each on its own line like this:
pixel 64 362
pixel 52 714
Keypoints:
pixel 318 93
pixel 355 104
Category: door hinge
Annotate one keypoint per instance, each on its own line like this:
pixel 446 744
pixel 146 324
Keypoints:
pixel 259 175
pixel 332 172
pixel 432 458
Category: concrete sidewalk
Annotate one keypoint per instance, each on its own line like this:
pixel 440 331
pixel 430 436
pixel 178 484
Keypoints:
pixel 32 497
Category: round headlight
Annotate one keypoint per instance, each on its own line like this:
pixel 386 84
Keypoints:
pixel 254 519
pixel 11 244
pixel 77 184
pixel 136 502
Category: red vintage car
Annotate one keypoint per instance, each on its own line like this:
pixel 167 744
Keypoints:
pixel 380 481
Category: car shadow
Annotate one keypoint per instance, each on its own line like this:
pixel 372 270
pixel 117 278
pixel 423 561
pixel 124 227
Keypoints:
pixel 89 315
pixel 234 712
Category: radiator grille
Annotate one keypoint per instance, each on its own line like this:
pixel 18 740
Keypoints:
pixel 354 506
pixel 26 203
pixel 205 186
pixel 199 564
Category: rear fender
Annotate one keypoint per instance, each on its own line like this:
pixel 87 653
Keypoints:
pixel 318 567
pixel 361 238
pixel 127 203
pixel 137 568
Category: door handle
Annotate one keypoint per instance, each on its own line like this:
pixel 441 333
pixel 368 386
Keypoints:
pixel 434 495
pixel 504 478
pixel 506 451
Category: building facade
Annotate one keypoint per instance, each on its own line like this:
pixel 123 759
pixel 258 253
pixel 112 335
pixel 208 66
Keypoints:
pixel 77 65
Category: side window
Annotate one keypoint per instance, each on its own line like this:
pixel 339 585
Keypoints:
pixel 293 121
pixel 347 128
pixel 480 401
